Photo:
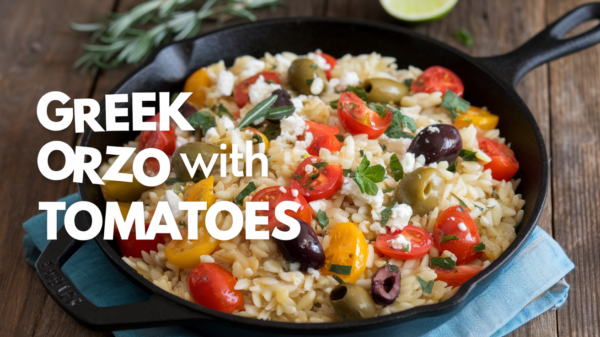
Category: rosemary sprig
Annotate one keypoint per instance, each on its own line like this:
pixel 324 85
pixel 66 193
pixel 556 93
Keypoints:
pixel 130 37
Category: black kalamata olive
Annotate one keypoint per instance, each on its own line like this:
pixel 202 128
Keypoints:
pixel 187 110
pixel 437 143
pixel 283 99
pixel 385 285
pixel 304 249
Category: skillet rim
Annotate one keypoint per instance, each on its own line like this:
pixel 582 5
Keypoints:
pixel 526 229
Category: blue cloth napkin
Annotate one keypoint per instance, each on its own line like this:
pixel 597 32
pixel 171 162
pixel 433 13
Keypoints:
pixel 530 285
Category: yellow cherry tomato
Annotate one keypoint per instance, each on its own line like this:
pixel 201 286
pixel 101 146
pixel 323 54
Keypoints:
pixel 480 118
pixel 124 208
pixel 347 247
pixel 124 191
pixel 197 84
pixel 265 141
pixel 186 253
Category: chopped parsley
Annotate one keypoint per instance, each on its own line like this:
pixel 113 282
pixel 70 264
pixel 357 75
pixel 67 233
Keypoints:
pixel 339 279
pixel 452 168
pixel 442 262
pixel 399 122
pixel 378 108
pixel 340 138
pixel 358 90
pixel 245 192
pixel 311 188
pixel 385 214
pixel 348 173
pixel 461 203
pixel 383 148
pixel 202 120
pixel 182 223
pixel 479 208
pixel 408 82
pixel 479 247
pixel 222 111
pixel 406 248
pixel 172 181
pixel 296 177
pixel 174 96
pixel 467 155
pixel 454 104
pixel 310 81
pixel 464 36
pixel 322 218
pixel 367 176
pixel 272 131
pixel 388 191
pixel 392 267
pixel 340 269
pixel 396 167
pixel 320 164
pixel 362 152
pixel 447 238
pixel 334 104
pixel 427 286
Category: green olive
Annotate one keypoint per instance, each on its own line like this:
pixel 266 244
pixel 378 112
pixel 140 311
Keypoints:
pixel 422 190
pixel 351 302
pixel 124 191
pixel 301 74
pixel 191 150
pixel 384 90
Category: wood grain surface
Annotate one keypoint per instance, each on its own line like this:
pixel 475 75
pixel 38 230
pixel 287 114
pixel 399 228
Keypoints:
pixel 39 49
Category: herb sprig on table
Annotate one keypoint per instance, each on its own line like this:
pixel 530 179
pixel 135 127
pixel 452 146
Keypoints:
pixel 131 36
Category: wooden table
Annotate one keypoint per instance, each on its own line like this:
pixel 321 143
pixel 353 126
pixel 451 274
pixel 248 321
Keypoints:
pixel 38 50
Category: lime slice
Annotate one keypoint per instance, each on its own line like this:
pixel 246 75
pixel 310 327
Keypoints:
pixel 418 10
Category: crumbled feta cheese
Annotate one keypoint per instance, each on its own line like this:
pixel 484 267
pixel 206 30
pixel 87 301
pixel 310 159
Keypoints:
pixel 400 242
pixel 258 91
pixel 253 67
pixel 292 127
pixel 298 102
pixel 225 82
pixel 320 204
pixel 462 226
pixel 349 78
pixel 282 189
pixel 449 254
pixel 314 160
pixel 398 146
pixel 319 60
pixel 350 188
pixel 314 272
pixel 317 85
pixel 408 162
pixel 211 135
pixel 236 139
pixel 399 217
pixel 309 168
pixel 304 144
pixel 173 200
pixel 432 129
pixel 227 123
pixel 283 63
pixel 295 192
pixel 420 160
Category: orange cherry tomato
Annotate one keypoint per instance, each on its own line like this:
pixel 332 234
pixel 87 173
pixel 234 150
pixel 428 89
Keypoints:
pixel 162 140
pixel 197 84
pixel 438 78
pixel 420 243
pixel 480 118
pixel 457 276
pixel 212 286
pixel 320 183
pixel 455 226
pixel 329 142
pixel 330 60
pixel 240 93
pixel 275 195
pixel 504 166
pixel 357 118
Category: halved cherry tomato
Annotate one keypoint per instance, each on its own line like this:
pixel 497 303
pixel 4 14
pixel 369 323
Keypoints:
pixel 330 60
pixel 319 130
pixel 197 84
pixel 329 142
pixel 455 222
pixel 162 140
pixel 357 118
pixel 438 78
pixel 347 247
pixel 320 183
pixel 480 118
pixel 240 93
pixel 131 247
pixel 213 286
pixel 504 166
pixel 457 276
pixel 275 195
pixel 420 243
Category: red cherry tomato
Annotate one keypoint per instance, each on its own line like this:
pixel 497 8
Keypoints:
pixel 420 243
pixel 162 140
pixel 240 93
pixel 438 78
pixel 357 118
pixel 330 60
pixel 133 247
pixel 329 142
pixel 456 221
pixel 274 195
pixel 503 164
pixel 320 183
pixel 212 286
pixel 457 276
pixel 319 130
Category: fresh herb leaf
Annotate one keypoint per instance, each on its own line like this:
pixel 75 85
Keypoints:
pixel 378 108
pixel 311 188
pixel 340 138
pixel 452 168
pixel 467 155
pixel 383 148
pixel 172 181
pixel 374 173
pixel 454 104
pixel 314 66
pixel 385 214
pixel 296 177
pixel 174 96
pixel 339 279
pixel 340 269
pixel 358 90
pixel 257 139
pixel 461 203
pixel 479 208
pixel 393 268
pixel 202 120
pixel 365 185
pixel 447 238
pixel 334 104
pixel 366 177
pixel 396 167
pixel 182 223
pixel 322 218
pixel 272 131
pixel 348 172
pixel 319 164
pixel 270 81
pixel 427 286
pixel 461 209
pixel 399 122
pixel 280 112
pixel 406 248
pixel 259 111
pixel 442 262
pixel 408 82
pixel 362 152
pixel 495 195
pixel 309 81
pixel 479 247
pixel 463 36
pixel 222 111
pixel 245 192
pixel 388 191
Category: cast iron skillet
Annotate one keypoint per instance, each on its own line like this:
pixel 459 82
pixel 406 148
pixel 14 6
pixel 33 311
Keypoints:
pixel 488 82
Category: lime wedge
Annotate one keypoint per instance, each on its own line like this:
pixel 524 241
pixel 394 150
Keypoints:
pixel 418 10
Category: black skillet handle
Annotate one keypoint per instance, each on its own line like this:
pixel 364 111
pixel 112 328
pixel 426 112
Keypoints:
pixel 547 45
pixel 157 311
